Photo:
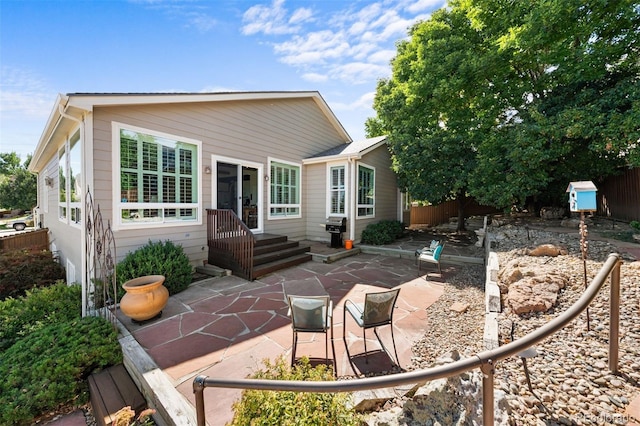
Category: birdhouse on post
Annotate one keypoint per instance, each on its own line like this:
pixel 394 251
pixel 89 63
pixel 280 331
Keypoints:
pixel 582 196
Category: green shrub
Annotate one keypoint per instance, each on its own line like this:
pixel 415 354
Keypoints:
pixel 383 232
pixel 48 368
pixel 21 270
pixel 635 225
pixel 293 408
pixel 39 307
pixel 157 258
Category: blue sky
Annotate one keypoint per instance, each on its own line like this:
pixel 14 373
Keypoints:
pixel 340 48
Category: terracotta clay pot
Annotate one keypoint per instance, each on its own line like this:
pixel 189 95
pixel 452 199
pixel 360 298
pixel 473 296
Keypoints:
pixel 145 297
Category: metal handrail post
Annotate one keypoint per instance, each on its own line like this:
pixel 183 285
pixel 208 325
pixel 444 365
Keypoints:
pixel 614 318
pixel 198 390
pixel 487 392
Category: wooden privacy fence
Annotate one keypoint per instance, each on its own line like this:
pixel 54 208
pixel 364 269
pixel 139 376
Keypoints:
pixel 436 215
pixel 38 239
pixel 619 196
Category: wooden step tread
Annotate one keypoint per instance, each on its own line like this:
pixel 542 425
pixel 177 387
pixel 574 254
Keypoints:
pixel 111 390
pixel 267 268
pixel 279 254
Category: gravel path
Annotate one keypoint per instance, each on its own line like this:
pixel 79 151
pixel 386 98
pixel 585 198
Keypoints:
pixel 570 378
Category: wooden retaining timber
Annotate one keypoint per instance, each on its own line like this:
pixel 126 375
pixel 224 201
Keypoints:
pixel 111 390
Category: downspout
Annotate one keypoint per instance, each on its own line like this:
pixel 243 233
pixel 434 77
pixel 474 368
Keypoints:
pixel 83 236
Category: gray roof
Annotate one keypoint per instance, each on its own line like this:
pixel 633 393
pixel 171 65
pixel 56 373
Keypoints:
pixel 353 148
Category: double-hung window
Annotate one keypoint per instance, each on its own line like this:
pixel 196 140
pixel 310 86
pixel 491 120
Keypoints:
pixel 337 190
pixel 158 180
pixel 284 189
pixel 366 191
pixel 69 180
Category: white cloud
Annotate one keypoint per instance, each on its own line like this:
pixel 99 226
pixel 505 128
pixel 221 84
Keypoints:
pixel 354 44
pixel 359 72
pixel 301 15
pixel 272 20
pixel 315 77
pixel 364 102
pixel 195 15
pixel 22 93
pixel 312 48
pixel 202 22
pixel 424 5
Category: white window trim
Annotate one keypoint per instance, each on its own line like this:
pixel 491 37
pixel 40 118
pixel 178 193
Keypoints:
pixel 67 204
pixel 357 189
pixel 299 205
pixel 118 204
pixel 346 189
pixel 77 205
pixel 60 204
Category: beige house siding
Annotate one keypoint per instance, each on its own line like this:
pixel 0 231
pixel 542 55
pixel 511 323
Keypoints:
pixel 315 195
pixel 253 131
pixel 62 234
pixel 386 190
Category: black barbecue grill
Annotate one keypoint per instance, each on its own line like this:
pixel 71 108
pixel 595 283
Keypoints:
pixel 336 226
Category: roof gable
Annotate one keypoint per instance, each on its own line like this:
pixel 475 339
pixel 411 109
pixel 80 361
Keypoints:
pixel 354 149
pixel 70 108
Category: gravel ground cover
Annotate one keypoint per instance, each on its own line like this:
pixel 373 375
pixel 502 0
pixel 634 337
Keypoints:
pixel 570 379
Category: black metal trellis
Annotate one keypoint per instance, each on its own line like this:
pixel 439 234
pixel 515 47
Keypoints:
pixel 99 296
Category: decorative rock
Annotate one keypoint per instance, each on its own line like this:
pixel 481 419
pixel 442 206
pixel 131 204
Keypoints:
pixel 459 307
pixel 550 213
pixel 547 250
pixel 574 354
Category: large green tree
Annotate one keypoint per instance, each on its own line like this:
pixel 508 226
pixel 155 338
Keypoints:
pixel 18 188
pixel 9 162
pixel 437 106
pixel 509 101
pixel 574 96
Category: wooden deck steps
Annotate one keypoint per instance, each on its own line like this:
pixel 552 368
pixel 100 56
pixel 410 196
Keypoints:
pixel 111 390
pixel 270 253
pixel 274 252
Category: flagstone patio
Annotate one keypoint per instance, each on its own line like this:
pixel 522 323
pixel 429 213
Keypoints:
pixel 225 327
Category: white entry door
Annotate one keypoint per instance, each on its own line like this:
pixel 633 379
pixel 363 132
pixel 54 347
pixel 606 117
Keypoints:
pixel 237 185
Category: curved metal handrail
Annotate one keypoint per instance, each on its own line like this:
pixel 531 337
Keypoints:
pixel 484 360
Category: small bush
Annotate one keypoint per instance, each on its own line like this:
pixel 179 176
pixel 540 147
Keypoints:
pixel 21 270
pixel 39 307
pixel 383 232
pixel 293 408
pixel 157 258
pixel 635 225
pixel 48 368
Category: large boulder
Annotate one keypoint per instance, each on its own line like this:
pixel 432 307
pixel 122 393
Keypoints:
pixel 530 288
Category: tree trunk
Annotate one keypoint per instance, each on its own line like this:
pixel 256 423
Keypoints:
pixel 462 200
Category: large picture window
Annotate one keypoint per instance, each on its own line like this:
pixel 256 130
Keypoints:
pixel 284 190
pixel 337 190
pixel 158 179
pixel 366 191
